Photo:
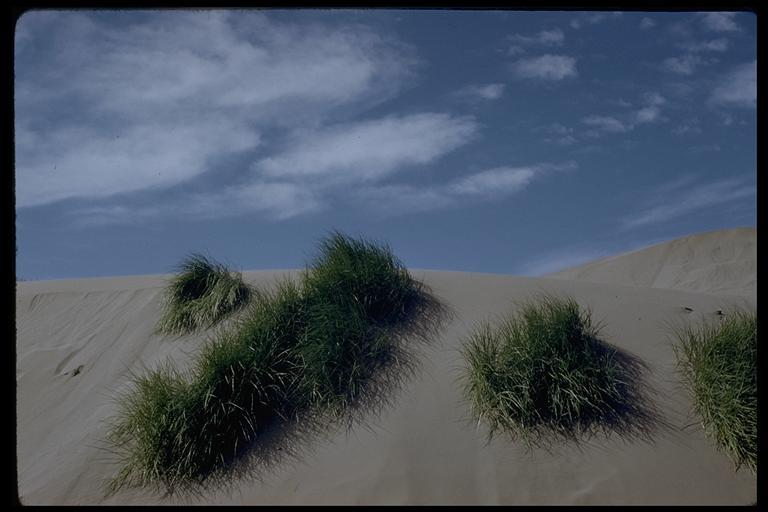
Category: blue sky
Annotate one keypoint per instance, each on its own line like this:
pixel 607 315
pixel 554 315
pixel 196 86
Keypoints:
pixel 485 141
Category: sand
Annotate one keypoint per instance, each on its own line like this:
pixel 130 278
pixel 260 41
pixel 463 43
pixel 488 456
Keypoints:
pixel 421 450
pixel 721 262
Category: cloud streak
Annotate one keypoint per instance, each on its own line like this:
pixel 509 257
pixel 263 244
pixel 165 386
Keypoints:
pixel 554 37
pixel 738 88
pixel 719 21
pixel 546 67
pixel 678 202
pixel 489 184
pixel 370 149
pixel 482 92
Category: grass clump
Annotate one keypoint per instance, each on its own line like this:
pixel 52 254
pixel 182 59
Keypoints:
pixel 718 362
pixel 201 295
pixel 544 373
pixel 362 274
pixel 314 350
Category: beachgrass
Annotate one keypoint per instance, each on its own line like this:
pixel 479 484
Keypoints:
pixel 200 295
pixel 543 373
pixel 329 345
pixel 718 362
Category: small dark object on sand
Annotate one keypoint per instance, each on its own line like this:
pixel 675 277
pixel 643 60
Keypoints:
pixel 687 308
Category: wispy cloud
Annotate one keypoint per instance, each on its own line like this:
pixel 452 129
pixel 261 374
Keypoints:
pixel 719 21
pixel 554 37
pixel 714 45
pixel 275 200
pixel 738 88
pixel 593 18
pixel 647 23
pixel 494 181
pixel 370 149
pixel 489 184
pixel 156 101
pixel 546 67
pixel 81 162
pixel 558 134
pixel 684 198
pixel 683 65
pixel 651 111
pixel 606 124
pixel 689 127
pixel 483 92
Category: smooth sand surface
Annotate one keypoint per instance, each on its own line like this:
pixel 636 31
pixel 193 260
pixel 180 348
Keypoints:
pixel 421 450
pixel 715 262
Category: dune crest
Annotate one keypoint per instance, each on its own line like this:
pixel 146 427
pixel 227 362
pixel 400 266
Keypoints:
pixel 718 262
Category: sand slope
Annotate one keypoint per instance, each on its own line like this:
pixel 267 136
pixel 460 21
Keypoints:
pixel 716 262
pixel 421 450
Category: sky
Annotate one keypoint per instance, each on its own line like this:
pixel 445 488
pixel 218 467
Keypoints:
pixel 509 142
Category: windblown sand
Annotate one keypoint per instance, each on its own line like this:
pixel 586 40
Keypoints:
pixel 423 449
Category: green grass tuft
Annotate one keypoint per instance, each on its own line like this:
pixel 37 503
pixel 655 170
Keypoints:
pixel 718 361
pixel 317 350
pixel 362 274
pixel 202 294
pixel 543 373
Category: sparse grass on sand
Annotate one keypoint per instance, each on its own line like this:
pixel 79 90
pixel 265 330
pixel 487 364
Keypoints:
pixel 718 362
pixel 330 344
pixel 200 295
pixel 543 373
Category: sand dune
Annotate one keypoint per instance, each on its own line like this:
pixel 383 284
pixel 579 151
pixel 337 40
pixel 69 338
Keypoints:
pixel 722 261
pixel 77 340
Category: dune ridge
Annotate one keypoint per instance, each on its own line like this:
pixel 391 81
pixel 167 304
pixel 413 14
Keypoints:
pixel 723 261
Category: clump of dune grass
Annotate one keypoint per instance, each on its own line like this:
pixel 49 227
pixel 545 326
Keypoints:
pixel 543 373
pixel 175 432
pixel 315 350
pixel 200 295
pixel 359 273
pixel 364 307
pixel 718 362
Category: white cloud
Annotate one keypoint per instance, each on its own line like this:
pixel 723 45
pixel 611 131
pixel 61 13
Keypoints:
pixel 738 88
pixel 647 22
pixel 719 21
pixel 546 67
pixel 714 45
pixel 606 123
pixel 648 114
pixel 494 181
pixel 105 108
pixel 72 162
pixel 370 149
pixel 488 184
pixel 684 65
pixel 515 50
pixel 678 203
pixel 486 92
pixel 553 37
pixel 651 111
pixel 276 200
